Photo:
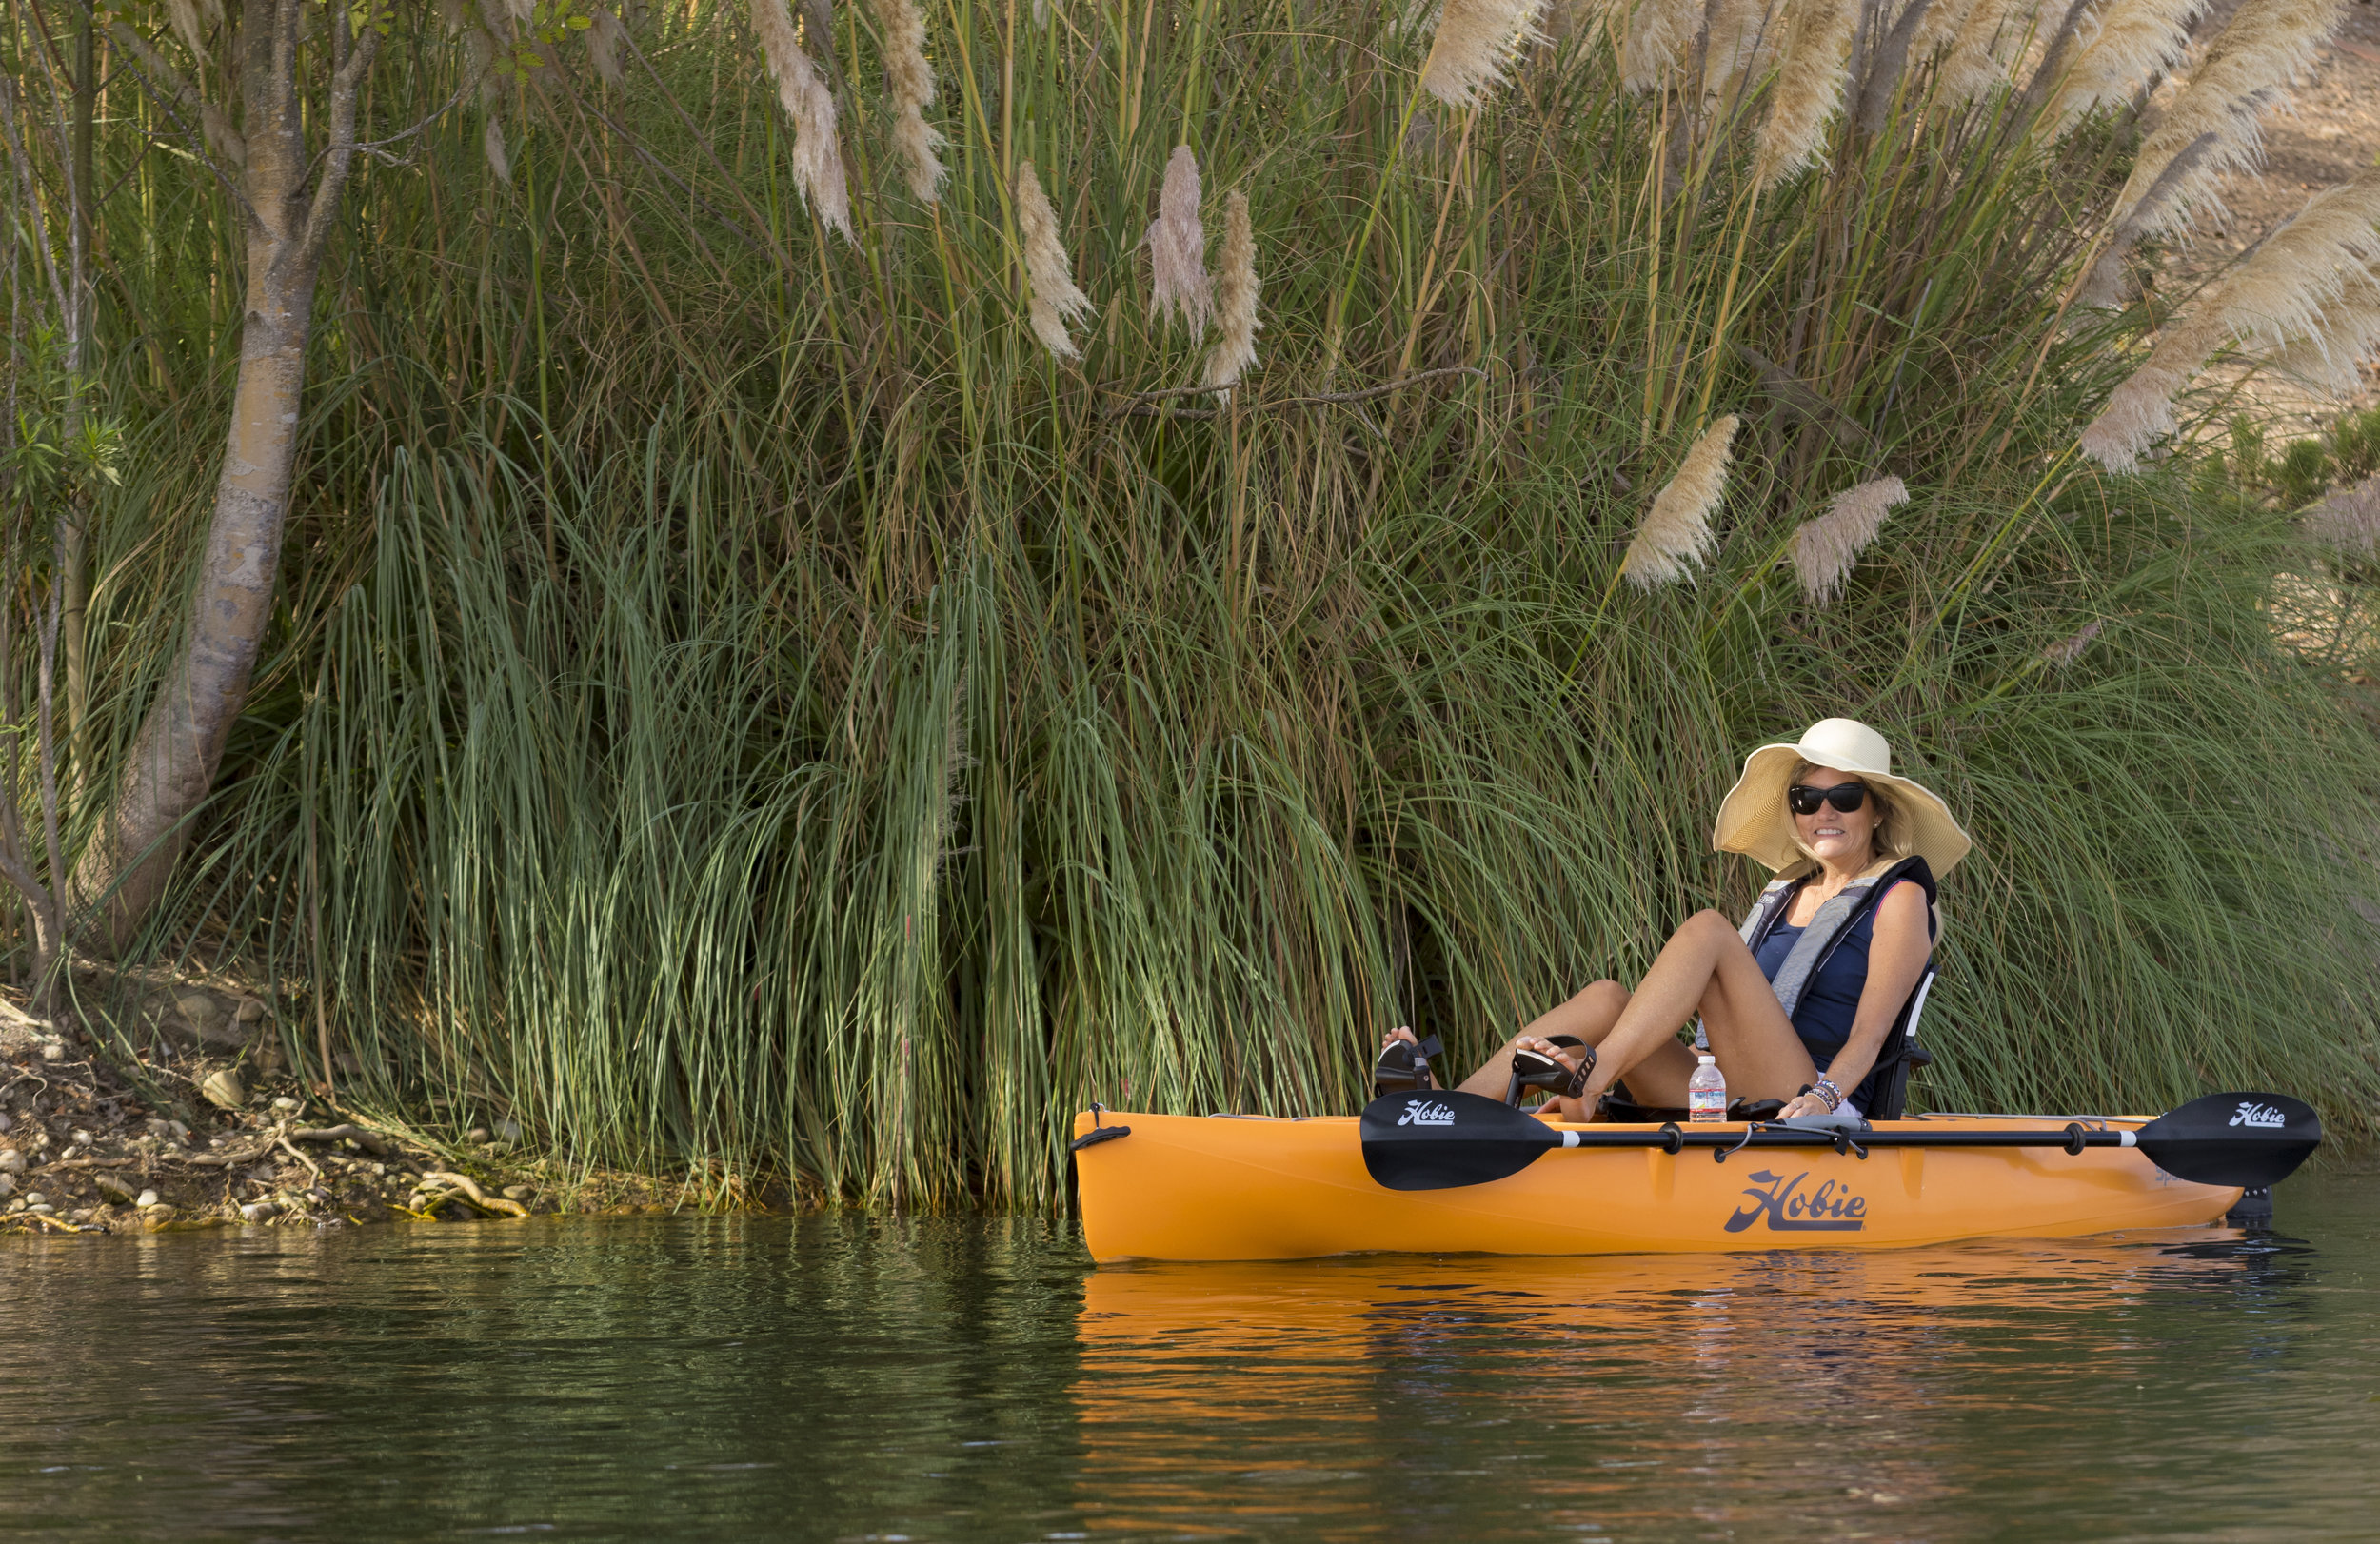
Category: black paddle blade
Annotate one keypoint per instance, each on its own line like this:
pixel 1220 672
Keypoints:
pixel 1438 1139
pixel 2246 1139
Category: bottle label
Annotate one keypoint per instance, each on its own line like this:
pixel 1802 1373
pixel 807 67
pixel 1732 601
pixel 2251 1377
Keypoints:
pixel 1706 1104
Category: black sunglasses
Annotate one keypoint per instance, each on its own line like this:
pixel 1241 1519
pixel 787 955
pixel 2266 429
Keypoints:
pixel 1846 797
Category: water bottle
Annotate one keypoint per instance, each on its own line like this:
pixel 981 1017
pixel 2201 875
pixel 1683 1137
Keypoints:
pixel 1706 1091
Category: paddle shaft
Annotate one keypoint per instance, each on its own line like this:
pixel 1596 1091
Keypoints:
pixel 1677 1139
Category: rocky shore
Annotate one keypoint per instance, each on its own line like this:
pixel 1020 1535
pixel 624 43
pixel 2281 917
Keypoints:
pixel 203 1128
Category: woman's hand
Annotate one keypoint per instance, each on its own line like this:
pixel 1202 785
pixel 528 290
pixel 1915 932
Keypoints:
pixel 1802 1104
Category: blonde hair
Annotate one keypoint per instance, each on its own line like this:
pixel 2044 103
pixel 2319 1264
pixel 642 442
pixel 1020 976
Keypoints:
pixel 1894 838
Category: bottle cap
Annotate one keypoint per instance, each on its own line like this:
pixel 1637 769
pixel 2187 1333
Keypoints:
pixel 1707 1060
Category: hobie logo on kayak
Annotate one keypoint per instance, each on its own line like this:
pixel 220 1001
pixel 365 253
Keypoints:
pixel 1427 1115
pixel 1831 1208
pixel 2258 1114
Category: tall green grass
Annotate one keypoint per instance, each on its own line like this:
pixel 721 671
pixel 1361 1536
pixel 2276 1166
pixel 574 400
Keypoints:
pixel 742 704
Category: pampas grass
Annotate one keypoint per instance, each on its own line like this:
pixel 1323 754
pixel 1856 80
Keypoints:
pixel 2121 45
pixel 2248 69
pixel 606 38
pixel 1177 281
pixel 1975 57
pixel 1474 44
pixel 1235 298
pixel 1743 37
pixel 1810 74
pixel 1677 531
pixel 1054 300
pixel 817 158
pixel 909 88
pixel 1657 37
pixel 1825 548
pixel 2348 520
pixel 491 142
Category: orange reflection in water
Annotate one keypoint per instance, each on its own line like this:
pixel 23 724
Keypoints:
pixel 1590 1394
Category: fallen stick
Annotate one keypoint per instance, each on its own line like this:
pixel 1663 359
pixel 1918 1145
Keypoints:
pixel 311 1167
pixel 473 1194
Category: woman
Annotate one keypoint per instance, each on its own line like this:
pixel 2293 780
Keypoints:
pixel 1799 1002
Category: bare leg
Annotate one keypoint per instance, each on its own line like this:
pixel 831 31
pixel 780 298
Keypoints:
pixel 1589 1016
pixel 1704 968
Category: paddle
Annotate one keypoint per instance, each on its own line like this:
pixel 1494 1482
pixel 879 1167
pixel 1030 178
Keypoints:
pixel 1441 1139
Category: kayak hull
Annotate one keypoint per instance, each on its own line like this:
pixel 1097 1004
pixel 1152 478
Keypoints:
pixel 1246 1188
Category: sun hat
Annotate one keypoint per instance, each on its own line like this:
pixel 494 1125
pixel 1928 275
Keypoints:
pixel 1753 820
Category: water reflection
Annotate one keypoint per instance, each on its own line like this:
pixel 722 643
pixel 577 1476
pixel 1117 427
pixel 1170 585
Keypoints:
pixel 1635 1392
pixel 964 1378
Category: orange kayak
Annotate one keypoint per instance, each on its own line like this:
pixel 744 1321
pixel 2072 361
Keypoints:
pixel 1252 1188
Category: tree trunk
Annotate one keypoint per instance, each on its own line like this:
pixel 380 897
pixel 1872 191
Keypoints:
pixel 179 746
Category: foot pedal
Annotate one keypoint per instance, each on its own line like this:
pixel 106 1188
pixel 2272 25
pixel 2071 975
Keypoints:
pixel 1530 1070
pixel 1405 1067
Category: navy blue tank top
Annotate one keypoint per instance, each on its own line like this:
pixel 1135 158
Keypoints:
pixel 1823 1017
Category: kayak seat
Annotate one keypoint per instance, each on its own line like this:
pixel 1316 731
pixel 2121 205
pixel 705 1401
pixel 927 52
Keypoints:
pixel 1901 1055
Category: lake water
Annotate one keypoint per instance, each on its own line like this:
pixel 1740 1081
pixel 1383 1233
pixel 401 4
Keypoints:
pixel 849 1377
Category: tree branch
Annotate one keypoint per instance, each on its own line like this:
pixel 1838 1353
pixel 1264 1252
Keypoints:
pixel 164 85
pixel 346 87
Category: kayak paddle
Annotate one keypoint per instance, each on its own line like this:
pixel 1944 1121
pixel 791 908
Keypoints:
pixel 1443 1139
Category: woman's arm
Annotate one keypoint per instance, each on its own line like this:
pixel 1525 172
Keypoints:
pixel 1897 957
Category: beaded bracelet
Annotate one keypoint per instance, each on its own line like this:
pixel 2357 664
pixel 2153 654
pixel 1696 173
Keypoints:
pixel 1826 1090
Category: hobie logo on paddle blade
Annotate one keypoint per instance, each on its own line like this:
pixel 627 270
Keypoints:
pixel 1831 1208
pixel 2258 1114
pixel 1426 1115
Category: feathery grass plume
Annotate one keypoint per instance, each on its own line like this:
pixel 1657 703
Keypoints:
pixel 817 158
pixel 1676 530
pixel 1990 36
pixel 491 141
pixel 909 84
pixel 2066 650
pixel 2300 292
pixel 1810 74
pixel 606 38
pixel 182 17
pixel 1743 37
pixel 220 137
pixel 2348 520
pixel 1235 298
pixel 1825 548
pixel 2247 67
pixel 1054 300
pixel 2117 48
pixel 1178 280
pixel 1659 37
pixel 1476 41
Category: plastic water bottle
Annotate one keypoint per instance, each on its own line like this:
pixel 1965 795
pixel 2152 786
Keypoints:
pixel 1706 1091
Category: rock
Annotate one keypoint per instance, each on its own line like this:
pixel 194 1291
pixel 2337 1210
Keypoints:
pixel 180 1130
pixel 7 1120
pixel 250 1012
pixel 258 1212
pixel 82 1139
pixel 39 1209
pixel 518 1192
pixel 115 1189
pixel 11 1162
pixel 477 1134
pixel 8 1186
pixel 154 1217
pixel 34 1198
pixel 223 1090
pixel 508 1131
pixel 198 1009
pixel 417 1200
pixel 53 1051
pixel 286 1104
pixel 146 1199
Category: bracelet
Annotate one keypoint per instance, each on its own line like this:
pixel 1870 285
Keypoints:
pixel 1826 1090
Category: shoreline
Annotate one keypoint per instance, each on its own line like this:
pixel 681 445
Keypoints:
pixel 84 1150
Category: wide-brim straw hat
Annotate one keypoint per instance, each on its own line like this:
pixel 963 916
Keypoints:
pixel 1754 820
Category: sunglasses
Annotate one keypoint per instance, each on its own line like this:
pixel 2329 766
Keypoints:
pixel 1804 800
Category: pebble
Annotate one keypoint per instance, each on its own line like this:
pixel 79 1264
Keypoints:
pixel 8 1185
pixel 148 1197
pixel 115 1189
pixel 508 1130
pixel 39 1209
pixel 7 1120
pixel 477 1134
pixel 54 1052
pixel 223 1090
pixel 285 1105
pixel 250 1011
pixel 258 1212
pixel 518 1192
pixel 11 1162
pixel 34 1198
